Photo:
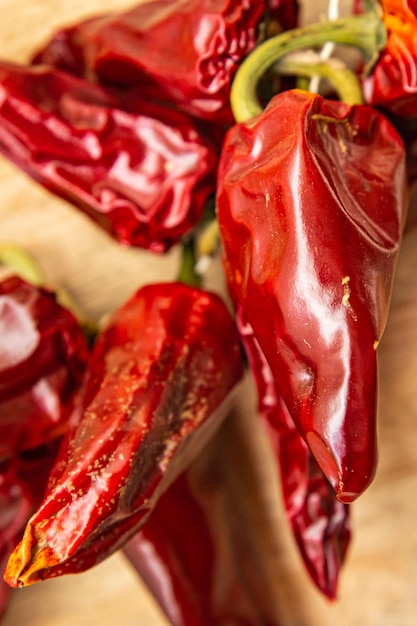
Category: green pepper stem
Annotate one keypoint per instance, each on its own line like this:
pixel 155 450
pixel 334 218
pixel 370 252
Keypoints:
pixel 365 32
pixel 24 265
pixel 335 71
pixel 187 273
pixel 21 262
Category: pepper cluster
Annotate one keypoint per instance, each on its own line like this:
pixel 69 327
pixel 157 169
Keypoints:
pixel 310 193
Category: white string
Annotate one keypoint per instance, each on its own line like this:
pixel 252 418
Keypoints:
pixel 327 50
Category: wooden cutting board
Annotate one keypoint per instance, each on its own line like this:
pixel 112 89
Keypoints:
pixel 378 586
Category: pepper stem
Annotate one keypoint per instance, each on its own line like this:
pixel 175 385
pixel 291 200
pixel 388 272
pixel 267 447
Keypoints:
pixel 187 273
pixel 335 71
pixel 365 32
pixel 21 262
pixel 24 265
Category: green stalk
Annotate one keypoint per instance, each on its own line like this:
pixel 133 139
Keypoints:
pixel 345 82
pixel 24 265
pixel 187 273
pixel 365 32
pixel 21 262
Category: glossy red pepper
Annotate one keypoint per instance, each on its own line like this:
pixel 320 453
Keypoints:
pixel 22 482
pixel 319 522
pixel 141 171
pixel 141 46
pixel 43 355
pixel 311 206
pixel 392 83
pixel 195 557
pixel 159 382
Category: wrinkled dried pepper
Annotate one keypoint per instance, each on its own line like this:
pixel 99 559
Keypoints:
pixel 43 355
pixel 23 479
pixel 195 545
pixel 392 83
pixel 311 206
pixel 159 382
pixel 320 523
pixel 141 46
pixel 143 172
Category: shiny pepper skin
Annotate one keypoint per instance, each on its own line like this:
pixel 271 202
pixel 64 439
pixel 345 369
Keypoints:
pixel 143 172
pixel 319 522
pixel 43 355
pixel 182 52
pixel 392 84
pixel 23 479
pixel 159 382
pixel 311 205
pixel 194 544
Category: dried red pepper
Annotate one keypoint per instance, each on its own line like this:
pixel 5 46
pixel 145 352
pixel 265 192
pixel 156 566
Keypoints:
pixel 159 382
pixel 22 482
pixel 311 206
pixel 196 558
pixel 43 355
pixel 320 523
pixel 141 171
pixel 392 83
pixel 142 46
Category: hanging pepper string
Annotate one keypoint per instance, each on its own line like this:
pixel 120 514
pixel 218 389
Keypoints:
pixel 365 32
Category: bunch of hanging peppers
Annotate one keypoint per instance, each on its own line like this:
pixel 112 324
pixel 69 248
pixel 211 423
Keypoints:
pixel 172 124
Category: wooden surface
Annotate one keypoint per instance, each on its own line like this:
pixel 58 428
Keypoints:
pixel 378 585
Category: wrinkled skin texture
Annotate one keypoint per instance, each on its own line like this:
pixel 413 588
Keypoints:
pixel 22 482
pixel 159 383
pixel 392 84
pixel 43 355
pixel 141 171
pixel 311 206
pixel 142 47
pixel 319 522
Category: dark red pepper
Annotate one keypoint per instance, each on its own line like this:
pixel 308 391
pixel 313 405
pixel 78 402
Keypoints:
pixel 195 557
pixel 43 355
pixel 319 522
pixel 142 171
pixel 392 83
pixel 22 482
pixel 311 206
pixel 185 53
pixel 159 382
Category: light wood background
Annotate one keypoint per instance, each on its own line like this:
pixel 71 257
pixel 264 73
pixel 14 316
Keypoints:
pixel 379 582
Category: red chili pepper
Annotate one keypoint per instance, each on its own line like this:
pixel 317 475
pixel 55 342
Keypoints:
pixel 43 355
pixel 15 510
pixel 320 523
pixel 284 13
pixel 22 482
pixel 392 83
pixel 195 558
pixel 311 205
pixel 182 52
pixel 141 171
pixel 159 382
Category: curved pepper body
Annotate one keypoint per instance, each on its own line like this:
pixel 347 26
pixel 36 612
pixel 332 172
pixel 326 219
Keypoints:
pixel 311 207
pixel 43 356
pixel 182 52
pixel 159 382
pixel 195 558
pixel 141 171
pixel 319 522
